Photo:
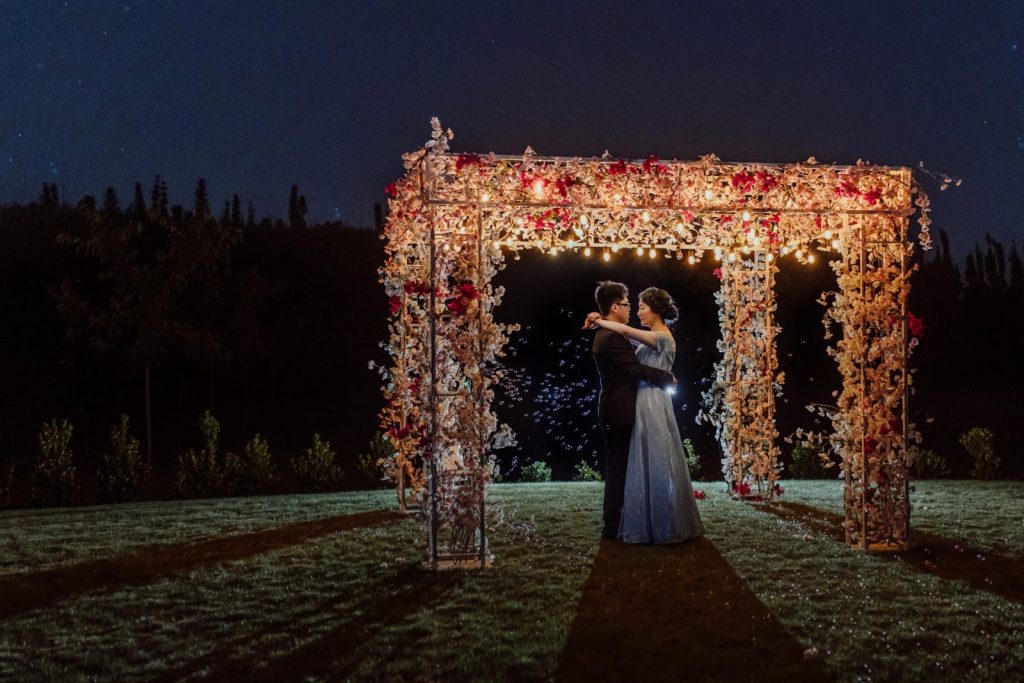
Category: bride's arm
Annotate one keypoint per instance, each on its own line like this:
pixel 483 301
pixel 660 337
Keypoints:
pixel 645 337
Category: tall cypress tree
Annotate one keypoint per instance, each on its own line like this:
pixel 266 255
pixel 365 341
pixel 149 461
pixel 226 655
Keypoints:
pixel 236 211
pixel 201 201
pixel 111 206
pixel 138 208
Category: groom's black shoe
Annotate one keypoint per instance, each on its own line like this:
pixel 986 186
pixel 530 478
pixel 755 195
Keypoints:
pixel 610 534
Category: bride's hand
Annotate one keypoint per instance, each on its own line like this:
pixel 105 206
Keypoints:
pixel 591 323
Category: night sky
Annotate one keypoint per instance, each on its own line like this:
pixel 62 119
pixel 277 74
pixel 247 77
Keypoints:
pixel 255 96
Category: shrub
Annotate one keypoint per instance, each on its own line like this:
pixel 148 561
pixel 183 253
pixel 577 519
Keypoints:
pixel 536 472
pixel 585 472
pixel 199 474
pixel 927 464
pixel 316 468
pixel 692 459
pixel 122 473
pixel 978 443
pixel 6 487
pixel 250 473
pixel 53 479
pixel 371 467
pixel 807 463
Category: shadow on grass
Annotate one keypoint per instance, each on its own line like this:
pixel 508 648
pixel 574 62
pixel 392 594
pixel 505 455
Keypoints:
pixel 336 653
pixel 676 612
pixel 32 590
pixel 929 553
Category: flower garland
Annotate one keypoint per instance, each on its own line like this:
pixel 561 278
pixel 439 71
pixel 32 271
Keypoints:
pixel 741 400
pixel 452 217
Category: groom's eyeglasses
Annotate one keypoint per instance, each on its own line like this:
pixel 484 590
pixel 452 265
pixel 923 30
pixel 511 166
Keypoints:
pixel 621 303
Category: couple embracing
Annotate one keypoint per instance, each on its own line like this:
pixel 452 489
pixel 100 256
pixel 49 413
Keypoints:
pixel 648 497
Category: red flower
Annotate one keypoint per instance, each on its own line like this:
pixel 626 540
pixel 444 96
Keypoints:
pixel 718 273
pixel 618 168
pixel 743 181
pixel 870 444
pixel 563 184
pixel 766 182
pixel 399 434
pixel 416 287
pixel 872 197
pixel 652 165
pixel 725 219
pixel 394 304
pixel 698 494
pixel 915 324
pixel 742 489
pixel 391 190
pixel 464 295
pixel 779 490
pixel 464 160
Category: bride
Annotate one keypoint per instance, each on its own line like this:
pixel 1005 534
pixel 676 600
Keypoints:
pixel 658 506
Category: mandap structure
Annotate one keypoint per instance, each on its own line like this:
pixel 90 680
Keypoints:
pixel 453 217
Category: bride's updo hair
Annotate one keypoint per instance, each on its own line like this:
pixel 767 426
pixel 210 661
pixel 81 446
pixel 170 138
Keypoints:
pixel 660 302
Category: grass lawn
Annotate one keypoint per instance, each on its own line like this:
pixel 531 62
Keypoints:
pixel 328 587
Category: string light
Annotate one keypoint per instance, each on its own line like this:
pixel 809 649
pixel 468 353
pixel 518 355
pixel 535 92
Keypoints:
pixel 827 234
pixel 708 194
pixel 586 252
pixel 639 251
pixel 584 221
pixel 769 257
pixel 836 244
pixel 746 215
pixel 690 259
pixel 679 227
pixel 653 252
pixel 607 256
pixel 718 253
pixel 554 251
pixel 810 258
pixel 732 257
pixel 799 253
pixel 538 187
pixel 485 197
pixel 615 248
pixel 645 216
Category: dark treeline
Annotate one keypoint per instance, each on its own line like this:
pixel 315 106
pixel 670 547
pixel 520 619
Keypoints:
pixel 270 325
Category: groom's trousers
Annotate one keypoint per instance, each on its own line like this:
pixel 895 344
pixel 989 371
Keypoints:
pixel 614 458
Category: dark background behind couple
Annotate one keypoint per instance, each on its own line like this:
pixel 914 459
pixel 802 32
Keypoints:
pixel 324 326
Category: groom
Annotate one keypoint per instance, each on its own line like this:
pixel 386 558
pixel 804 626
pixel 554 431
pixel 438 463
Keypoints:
pixel 620 373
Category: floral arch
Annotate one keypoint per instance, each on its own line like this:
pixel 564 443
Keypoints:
pixel 453 217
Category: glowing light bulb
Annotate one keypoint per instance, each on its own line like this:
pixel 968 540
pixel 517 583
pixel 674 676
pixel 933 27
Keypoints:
pixel 769 257
pixel 708 194
pixel 645 216
pixel 718 253
pixel 607 256
pixel 617 198
pixel 755 240
pixel 746 215
pixel 519 222
pixel 836 244
pixel 571 244
pixel 691 260
pixel 584 221
pixel 827 234
pixel 639 251
pixel 783 251
pixel 615 248
pixel 732 257
pixel 485 197
pixel 810 258
pixel 745 249
pixel 653 252
pixel 799 253
pixel 586 252
pixel 538 187
pixel 554 251
pixel 679 228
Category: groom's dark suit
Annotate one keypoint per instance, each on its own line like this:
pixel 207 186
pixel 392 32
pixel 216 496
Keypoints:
pixel 620 374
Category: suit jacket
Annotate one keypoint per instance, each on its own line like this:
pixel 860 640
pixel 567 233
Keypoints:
pixel 621 373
